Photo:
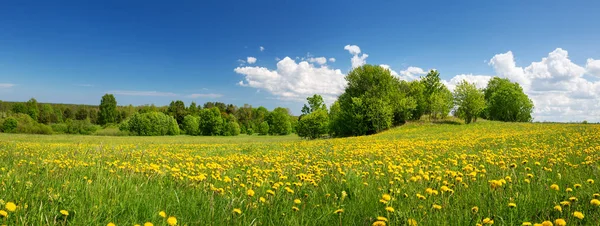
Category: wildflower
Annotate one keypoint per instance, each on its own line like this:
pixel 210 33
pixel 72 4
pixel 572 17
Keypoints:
pixel 554 187
pixel 596 195
pixel 475 209
pixel 560 222
pixel 590 181
pixel 238 211
pixel 389 209
pixel 595 202
pixel 526 224
pixel 3 213
pixel 295 208
pixel 512 205
pixel 578 215
pixel 558 208
pixel 569 190
pixel 379 223
pixel 111 224
pixel 565 203
pixel 297 201
pixel 162 214
pixel 271 192
pixel 547 223
pixel 411 222
pixel 386 197
pixel 487 220
pixel 148 224
pixel 382 218
pixel 262 199
pixel 338 211
pixel 172 221
pixel 437 207
pixel 11 207
pixel 577 185
pixel 64 212
pixel 250 192
pixel 573 199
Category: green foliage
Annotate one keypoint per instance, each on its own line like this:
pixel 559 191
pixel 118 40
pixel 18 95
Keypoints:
pixel 46 113
pixel 108 110
pixel 231 129
pixel 211 122
pixel 373 101
pixel 193 109
pixel 68 114
pixel 151 124
pixel 191 125
pixel 25 124
pixel 314 124
pixel 279 122
pixel 469 100
pixel 263 128
pixel 19 108
pixel 84 127
pixel 440 103
pixel 506 101
pixel 81 114
pixel 32 108
pixel 417 92
pixel 59 128
pixel 177 110
pixel 314 103
pixel 9 125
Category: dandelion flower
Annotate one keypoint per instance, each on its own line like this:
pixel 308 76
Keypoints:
pixel 111 224
pixel 3 213
pixel 262 199
pixel 172 221
pixel 488 221
pixel 297 201
pixel 386 197
pixel 382 218
pixel 11 207
pixel 590 181
pixel 238 211
pixel 250 192
pixel 389 209
pixel 64 212
pixel 379 223
pixel 412 222
pixel 577 185
pixel 437 207
pixel 547 223
pixel 554 187
pixel 295 208
pixel 338 211
pixel 475 209
pixel 578 215
pixel 526 224
pixel 595 202
pixel 512 205
pixel 162 214
pixel 560 222
pixel 148 224
pixel 558 208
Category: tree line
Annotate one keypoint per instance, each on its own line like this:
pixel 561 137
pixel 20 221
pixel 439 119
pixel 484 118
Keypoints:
pixel 373 101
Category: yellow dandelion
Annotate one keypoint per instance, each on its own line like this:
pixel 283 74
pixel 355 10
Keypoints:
pixel 512 205
pixel 262 199
pixel 148 224
pixel 411 222
pixel 547 223
pixel 595 202
pixel 437 207
pixel 3 213
pixel 338 211
pixel 560 222
pixel 11 207
pixel 554 187
pixel 379 223
pixel 295 208
pixel 578 215
pixel 558 208
pixel 162 214
pixel 526 224
pixel 590 181
pixel 386 197
pixel 488 221
pixel 380 218
pixel 250 192
pixel 389 209
pixel 475 209
pixel 297 201
pixel 237 211
pixel 172 221
pixel 111 224
pixel 64 212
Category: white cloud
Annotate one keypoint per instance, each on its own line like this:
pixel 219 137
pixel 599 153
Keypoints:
pixel 479 80
pixel 593 67
pixel 6 85
pixel 142 93
pixel 412 73
pixel 318 60
pixel 357 58
pixel 394 73
pixel 295 80
pixel 251 60
pixel 262 48
pixel 205 95
pixel 331 59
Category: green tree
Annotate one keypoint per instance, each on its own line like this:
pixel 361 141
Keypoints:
pixel 314 124
pixel 417 92
pixel 9 125
pixel 19 108
pixel 46 113
pixel 263 128
pixel 314 103
pixel 469 100
pixel 68 114
pixel 193 109
pixel 231 129
pixel 279 122
pixel 506 101
pixel 440 103
pixel 177 110
pixel 108 110
pixel 81 113
pixel 211 122
pixel 32 109
pixel 191 125
pixel 151 124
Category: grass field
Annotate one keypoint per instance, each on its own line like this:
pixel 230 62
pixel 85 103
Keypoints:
pixel 417 174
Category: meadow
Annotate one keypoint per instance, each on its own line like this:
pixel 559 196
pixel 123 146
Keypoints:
pixel 487 173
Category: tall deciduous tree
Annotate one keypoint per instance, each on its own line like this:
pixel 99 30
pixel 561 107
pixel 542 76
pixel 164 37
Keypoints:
pixel 279 122
pixel 506 101
pixel 108 110
pixel 32 108
pixel 314 124
pixel 314 103
pixel 177 110
pixel 469 101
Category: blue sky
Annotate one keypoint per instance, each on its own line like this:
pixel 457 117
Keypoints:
pixel 156 51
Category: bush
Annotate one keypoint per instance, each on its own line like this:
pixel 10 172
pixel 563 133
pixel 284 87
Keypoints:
pixel 191 125
pixel 151 124
pixel 25 124
pixel 313 125
pixel 9 125
pixel 59 128
pixel 263 128
pixel 232 129
pixel 84 127
pixel 249 131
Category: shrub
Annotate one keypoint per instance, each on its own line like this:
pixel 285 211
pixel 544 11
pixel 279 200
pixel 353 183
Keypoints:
pixel 9 125
pixel 191 125
pixel 25 124
pixel 263 128
pixel 232 129
pixel 151 124
pixel 80 127
pixel 313 125
pixel 59 128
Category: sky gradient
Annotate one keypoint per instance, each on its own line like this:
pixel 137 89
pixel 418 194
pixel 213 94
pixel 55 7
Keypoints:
pixel 275 53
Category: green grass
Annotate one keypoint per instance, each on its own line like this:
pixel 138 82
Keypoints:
pixel 133 178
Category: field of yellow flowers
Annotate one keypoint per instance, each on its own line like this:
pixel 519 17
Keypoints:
pixel 487 173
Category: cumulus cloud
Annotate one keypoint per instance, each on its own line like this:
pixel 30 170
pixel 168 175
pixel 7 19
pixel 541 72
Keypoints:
pixel 479 80
pixel 261 48
pixel 295 80
pixel 593 67
pixel 412 73
pixel 331 59
pixel 357 58
pixel 251 60
pixel 205 95
pixel 394 73
pixel 142 93
pixel 6 85
pixel 318 60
